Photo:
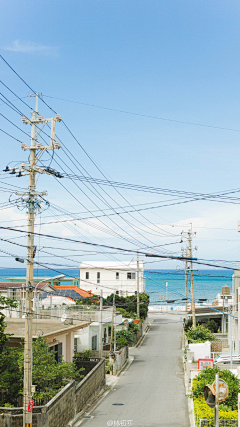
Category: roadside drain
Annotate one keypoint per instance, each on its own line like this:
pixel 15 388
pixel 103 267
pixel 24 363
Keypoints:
pixel 118 404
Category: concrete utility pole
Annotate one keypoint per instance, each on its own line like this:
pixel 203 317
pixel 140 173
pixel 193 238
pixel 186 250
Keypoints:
pixel 100 326
pixel 191 273
pixel 188 255
pixel 186 280
pixel 113 321
pixel 138 308
pixel 33 203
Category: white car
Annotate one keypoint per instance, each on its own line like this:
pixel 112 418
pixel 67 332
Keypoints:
pixel 226 358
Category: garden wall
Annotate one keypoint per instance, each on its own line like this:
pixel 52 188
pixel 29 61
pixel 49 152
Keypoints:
pixel 64 406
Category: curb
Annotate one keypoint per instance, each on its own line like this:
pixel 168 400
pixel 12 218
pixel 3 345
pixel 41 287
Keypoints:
pixel 190 400
pixel 140 341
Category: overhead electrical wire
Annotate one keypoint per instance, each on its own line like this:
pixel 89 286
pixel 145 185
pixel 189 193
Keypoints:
pixel 143 115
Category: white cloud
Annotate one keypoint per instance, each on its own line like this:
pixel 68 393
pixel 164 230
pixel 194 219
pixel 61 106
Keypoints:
pixel 30 47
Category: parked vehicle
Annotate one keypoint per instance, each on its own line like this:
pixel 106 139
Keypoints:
pixel 226 358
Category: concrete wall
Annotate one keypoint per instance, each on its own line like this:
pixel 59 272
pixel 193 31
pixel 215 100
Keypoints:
pixel 90 385
pixel 64 406
pixel 201 350
pixel 118 360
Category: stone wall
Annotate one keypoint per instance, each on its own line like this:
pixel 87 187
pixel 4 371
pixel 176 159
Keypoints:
pixel 64 406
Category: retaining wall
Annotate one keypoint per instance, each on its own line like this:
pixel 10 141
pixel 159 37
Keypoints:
pixel 64 406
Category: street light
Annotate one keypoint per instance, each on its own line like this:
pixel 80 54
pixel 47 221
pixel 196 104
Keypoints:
pixel 60 276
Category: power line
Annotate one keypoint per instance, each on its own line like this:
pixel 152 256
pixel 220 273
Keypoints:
pixel 144 115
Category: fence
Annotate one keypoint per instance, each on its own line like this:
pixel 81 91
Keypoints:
pixel 64 406
pixel 222 423
pixel 75 313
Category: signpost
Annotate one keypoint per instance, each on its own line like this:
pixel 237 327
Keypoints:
pixel 215 393
pixel 161 299
pixel 205 363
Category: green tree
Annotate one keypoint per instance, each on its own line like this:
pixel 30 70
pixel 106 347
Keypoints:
pixel 10 375
pixel 93 300
pixel 134 328
pixel 4 304
pixel 128 305
pixel 124 338
pixel 199 334
pixel 48 375
pixel 212 326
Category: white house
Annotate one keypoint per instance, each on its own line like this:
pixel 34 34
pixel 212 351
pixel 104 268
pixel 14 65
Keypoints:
pixel 110 277
pixel 88 338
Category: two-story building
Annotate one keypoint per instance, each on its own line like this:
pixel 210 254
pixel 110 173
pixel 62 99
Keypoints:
pixel 111 276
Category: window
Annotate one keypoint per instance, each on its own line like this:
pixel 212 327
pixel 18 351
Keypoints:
pixel 58 349
pixel 117 275
pixel 98 277
pixel 76 344
pixel 94 342
pixel 131 276
pixel 87 275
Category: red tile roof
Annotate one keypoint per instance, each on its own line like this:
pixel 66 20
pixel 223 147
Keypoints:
pixel 6 285
pixel 82 292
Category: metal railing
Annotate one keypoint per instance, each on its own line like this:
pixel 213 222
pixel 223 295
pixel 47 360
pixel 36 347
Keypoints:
pixel 204 422
pixel 74 313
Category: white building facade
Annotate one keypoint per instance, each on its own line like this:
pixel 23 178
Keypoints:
pixel 110 277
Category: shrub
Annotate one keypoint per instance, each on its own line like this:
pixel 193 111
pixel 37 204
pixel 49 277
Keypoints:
pixel 188 324
pixel 212 326
pixel 207 376
pixel 202 410
pixel 87 353
pixel 134 328
pixel 124 338
pixel 199 334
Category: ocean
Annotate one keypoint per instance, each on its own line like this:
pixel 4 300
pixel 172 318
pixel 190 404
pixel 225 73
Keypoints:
pixel 165 283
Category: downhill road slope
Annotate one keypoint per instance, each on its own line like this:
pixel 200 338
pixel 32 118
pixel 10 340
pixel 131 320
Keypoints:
pixel 151 393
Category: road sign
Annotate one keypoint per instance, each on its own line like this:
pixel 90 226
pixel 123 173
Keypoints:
pixel 30 405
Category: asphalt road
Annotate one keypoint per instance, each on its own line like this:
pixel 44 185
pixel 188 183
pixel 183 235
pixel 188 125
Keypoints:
pixel 151 393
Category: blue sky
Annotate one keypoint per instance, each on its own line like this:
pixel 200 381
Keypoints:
pixel 175 60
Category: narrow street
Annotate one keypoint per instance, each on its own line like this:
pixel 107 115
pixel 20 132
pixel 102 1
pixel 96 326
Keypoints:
pixel 151 393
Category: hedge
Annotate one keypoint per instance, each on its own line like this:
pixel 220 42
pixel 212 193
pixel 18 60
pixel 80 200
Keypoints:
pixel 202 410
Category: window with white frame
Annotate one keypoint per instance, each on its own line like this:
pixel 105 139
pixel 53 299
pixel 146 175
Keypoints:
pixel 131 276
pixel 117 275
pixel 76 344
pixel 98 277
pixel 87 275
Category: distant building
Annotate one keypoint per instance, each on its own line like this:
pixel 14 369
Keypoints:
pixel 56 300
pixel 73 292
pixel 110 277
